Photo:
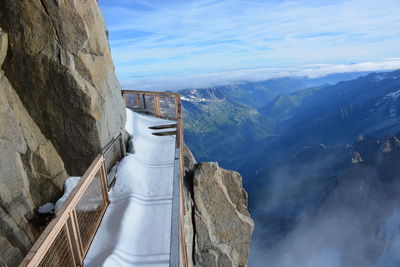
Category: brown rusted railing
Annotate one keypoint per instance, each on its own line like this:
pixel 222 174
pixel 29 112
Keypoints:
pixel 168 106
pixel 67 238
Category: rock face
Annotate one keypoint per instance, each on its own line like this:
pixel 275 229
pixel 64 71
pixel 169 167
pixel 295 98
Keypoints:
pixel 60 65
pixel 188 219
pixel 29 163
pixel 60 104
pixel 222 225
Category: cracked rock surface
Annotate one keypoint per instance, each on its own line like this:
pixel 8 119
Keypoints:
pixel 60 104
pixel 60 65
pixel 217 223
pixel 29 163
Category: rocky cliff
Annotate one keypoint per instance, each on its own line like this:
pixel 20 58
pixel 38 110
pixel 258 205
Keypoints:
pixel 29 162
pixel 60 104
pixel 60 65
pixel 218 226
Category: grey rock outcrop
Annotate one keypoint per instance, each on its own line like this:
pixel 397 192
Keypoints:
pixel 188 219
pixel 217 224
pixel 223 225
pixel 59 63
pixel 60 104
pixel 31 171
pixel 356 158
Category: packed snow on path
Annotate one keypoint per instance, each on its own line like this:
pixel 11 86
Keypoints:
pixel 135 230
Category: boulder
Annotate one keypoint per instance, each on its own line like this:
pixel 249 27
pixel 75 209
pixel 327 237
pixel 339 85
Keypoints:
pixel 222 223
pixel 59 63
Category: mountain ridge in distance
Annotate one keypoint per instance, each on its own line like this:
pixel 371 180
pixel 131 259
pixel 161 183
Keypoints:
pixel 325 151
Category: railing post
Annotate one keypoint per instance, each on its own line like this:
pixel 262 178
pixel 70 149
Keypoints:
pixel 124 97
pixel 157 105
pixel 144 102
pixel 138 100
pixel 72 246
pixel 104 186
pixel 177 111
pixel 74 237
pixel 122 145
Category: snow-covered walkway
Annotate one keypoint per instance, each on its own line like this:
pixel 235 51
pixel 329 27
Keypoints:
pixel 136 228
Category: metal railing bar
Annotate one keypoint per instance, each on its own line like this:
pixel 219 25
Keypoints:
pixel 111 162
pixel 150 92
pixel 76 243
pixel 175 221
pixel 95 232
pixel 46 239
pixel 157 105
pixel 110 145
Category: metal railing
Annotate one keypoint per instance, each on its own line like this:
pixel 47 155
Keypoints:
pixel 113 153
pixel 160 104
pixel 168 106
pixel 67 238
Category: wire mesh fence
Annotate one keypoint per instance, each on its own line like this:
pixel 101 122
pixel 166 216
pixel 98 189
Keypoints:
pixel 168 106
pixel 67 238
pixel 132 101
pixel 60 253
pixel 160 104
pixel 89 210
pixel 113 153
pixel 149 103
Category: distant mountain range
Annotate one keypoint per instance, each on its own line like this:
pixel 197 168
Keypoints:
pixel 332 115
pixel 330 206
pixel 211 118
pixel 239 117
pixel 308 150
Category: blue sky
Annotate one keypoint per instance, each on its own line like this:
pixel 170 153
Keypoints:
pixel 176 44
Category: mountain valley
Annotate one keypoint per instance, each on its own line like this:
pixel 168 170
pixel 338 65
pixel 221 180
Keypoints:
pixel 306 155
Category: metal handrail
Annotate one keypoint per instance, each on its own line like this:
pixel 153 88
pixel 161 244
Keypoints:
pixel 139 103
pixel 66 238
pixel 110 157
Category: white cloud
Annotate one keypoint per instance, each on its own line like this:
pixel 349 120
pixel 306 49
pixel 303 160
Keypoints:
pixel 192 38
pixel 221 78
